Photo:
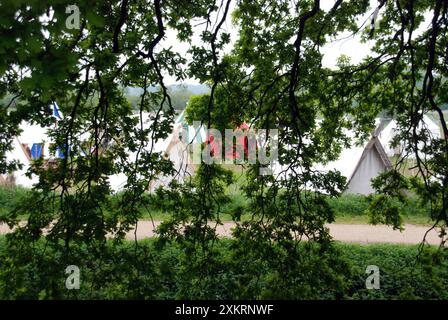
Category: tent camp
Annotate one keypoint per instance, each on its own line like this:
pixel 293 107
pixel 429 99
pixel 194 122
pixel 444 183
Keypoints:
pixel 365 164
pixel 175 148
pixel 358 163
pixel 32 143
pixel 391 130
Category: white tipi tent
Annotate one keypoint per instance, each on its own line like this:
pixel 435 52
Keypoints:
pixel 359 164
pixel 177 152
pixel 175 148
pixel 33 142
pixel 18 177
pixel 387 135
pixel 371 163
pixel 30 144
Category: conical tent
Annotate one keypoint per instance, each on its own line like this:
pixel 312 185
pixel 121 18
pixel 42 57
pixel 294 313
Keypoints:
pixel 358 163
pixel 373 161
pixel 388 134
pixel 175 148
pixel 32 143
pixel 364 163
pixel 18 177
pixel 190 134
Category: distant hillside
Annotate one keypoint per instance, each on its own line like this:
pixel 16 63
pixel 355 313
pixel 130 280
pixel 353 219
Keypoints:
pixel 179 93
pixel 193 88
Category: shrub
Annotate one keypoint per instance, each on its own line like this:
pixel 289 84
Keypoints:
pixel 141 270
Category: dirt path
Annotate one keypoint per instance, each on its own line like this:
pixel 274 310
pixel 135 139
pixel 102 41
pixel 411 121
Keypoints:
pixel 358 233
pixel 362 233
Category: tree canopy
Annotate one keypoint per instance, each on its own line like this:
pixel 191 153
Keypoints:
pixel 272 77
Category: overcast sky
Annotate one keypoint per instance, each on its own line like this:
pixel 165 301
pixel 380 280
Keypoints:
pixel 345 44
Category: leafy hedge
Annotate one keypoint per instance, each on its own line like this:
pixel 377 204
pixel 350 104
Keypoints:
pixel 10 197
pixel 348 205
pixel 403 276
pixel 145 271
pixel 353 205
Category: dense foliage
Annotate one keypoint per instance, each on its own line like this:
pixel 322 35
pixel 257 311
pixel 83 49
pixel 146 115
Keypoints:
pixel 347 208
pixel 272 77
pixel 116 273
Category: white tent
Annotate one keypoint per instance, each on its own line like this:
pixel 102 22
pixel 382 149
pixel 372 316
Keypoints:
pixel 370 164
pixel 18 177
pixel 190 134
pixel 33 142
pixel 171 148
pixel 30 144
pixel 175 148
pixel 387 135
pixel 359 164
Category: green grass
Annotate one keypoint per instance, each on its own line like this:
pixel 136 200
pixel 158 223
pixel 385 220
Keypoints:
pixel 150 273
pixel 10 197
pixel 340 218
pixel 402 276
pixel 349 209
pixel 363 219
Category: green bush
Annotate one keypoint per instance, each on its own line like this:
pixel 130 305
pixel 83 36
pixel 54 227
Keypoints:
pixel 11 197
pixel 142 270
pixel 402 274
pixel 349 204
pixel 353 205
